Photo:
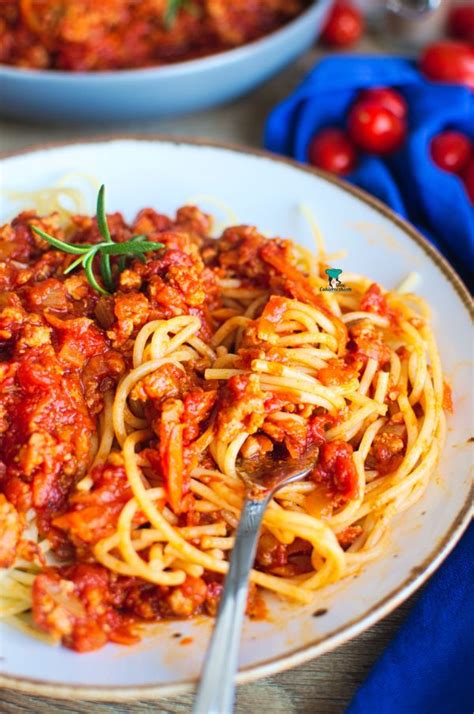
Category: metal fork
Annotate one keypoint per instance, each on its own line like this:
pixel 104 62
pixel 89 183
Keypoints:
pixel 215 694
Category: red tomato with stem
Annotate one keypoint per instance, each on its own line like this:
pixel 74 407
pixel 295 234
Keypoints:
pixel 461 22
pixel 374 128
pixel 344 25
pixel 332 150
pixel 468 178
pixel 451 150
pixel 449 61
pixel 386 97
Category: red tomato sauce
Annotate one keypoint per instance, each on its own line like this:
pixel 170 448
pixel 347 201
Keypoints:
pixel 63 346
pixel 85 35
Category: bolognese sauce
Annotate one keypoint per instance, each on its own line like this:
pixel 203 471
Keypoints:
pixel 85 35
pixel 123 412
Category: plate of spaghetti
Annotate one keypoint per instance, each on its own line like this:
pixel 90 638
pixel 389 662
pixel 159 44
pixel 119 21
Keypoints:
pixel 121 59
pixel 158 323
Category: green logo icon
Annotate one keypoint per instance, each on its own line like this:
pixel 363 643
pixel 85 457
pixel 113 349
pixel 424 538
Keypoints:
pixel 333 276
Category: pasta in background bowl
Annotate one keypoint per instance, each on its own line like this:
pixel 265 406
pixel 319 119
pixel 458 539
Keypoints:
pixel 290 346
pixel 124 85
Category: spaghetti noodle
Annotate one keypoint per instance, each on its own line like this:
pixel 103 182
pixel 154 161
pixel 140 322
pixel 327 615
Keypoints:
pixel 124 417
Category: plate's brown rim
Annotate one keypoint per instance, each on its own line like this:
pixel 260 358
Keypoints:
pixel 358 624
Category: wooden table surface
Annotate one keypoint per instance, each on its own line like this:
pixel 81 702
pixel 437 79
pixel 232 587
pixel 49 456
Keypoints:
pixel 324 685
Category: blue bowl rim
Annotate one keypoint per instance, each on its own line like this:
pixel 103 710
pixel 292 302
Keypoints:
pixel 176 69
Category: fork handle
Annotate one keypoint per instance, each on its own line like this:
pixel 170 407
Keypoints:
pixel 215 694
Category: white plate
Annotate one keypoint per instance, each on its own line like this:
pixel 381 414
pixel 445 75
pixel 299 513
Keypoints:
pixel 266 191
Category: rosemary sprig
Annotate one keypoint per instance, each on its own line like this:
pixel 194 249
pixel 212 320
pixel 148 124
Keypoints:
pixel 136 247
pixel 172 9
pixel 105 267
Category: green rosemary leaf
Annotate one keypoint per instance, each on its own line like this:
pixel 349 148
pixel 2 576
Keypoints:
pixel 61 245
pixel 101 215
pixel 106 272
pixel 74 265
pixel 172 10
pixel 122 261
pixel 88 268
pixel 105 267
pixel 136 247
pixel 130 248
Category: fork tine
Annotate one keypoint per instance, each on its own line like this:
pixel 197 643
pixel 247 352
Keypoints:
pixel 274 473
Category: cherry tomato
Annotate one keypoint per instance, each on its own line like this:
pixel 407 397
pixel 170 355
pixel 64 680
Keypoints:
pixel 468 178
pixel 333 151
pixel 344 25
pixel 451 150
pixel 374 128
pixel 449 61
pixel 388 98
pixel 461 22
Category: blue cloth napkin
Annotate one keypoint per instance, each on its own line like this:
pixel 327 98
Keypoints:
pixel 429 666
pixel 408 181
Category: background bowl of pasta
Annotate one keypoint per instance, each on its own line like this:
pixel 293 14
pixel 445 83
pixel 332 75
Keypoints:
pixel 84 88
pixel 416 520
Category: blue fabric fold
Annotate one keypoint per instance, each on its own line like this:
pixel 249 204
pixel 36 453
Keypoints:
pixel 408 181
pixel 429 666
